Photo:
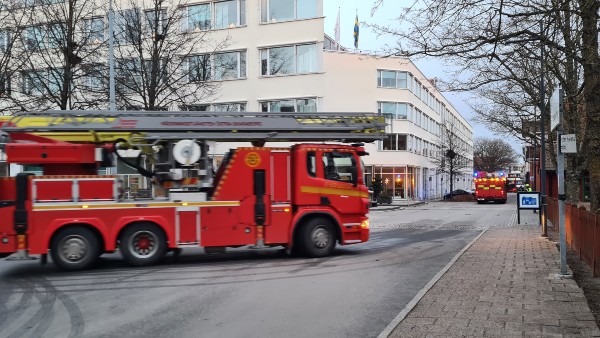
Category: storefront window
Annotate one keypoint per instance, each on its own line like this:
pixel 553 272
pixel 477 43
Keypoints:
pixel 397 182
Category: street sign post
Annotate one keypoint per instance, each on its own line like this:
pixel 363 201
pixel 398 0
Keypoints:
pixel 531 200
pixel 556 111
pixel 555 108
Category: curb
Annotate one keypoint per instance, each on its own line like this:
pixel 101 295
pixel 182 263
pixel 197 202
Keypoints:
pixel 400 317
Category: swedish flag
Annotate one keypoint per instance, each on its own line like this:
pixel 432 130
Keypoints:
pixel 356 32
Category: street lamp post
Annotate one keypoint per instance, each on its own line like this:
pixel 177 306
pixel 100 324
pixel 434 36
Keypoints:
pixel 543 139
pixel 111 57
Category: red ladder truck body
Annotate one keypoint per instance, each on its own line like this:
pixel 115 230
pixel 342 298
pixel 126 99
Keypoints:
pixel 306 197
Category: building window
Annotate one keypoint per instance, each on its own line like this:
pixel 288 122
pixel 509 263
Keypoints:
pixel 198 18
pixel 214 15
pixel 41 2
pixel 94 29
pixel 285 60
pixel 230 65
pixel 33 38
pixel 156 22
pixel 128 28
pixel 4 85
pixel 394 142
pixel 225 107
pixel 129 75
pixel 38 82
pixel 394 110
pixel 94 78
pixel 386 79
pixel 221 66
pixel 4 41
pixel 158 71
pixel 199 68
pixel 308 105
pixel 394 79
pixel 230 13
pixel 55 36
pixel 220 107
pixel 286 10
pixel 33 82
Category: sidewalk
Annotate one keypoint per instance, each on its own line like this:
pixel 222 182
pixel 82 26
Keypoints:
pixel 503 285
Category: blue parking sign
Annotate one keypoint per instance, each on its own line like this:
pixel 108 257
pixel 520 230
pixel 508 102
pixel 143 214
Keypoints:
pixel 529 200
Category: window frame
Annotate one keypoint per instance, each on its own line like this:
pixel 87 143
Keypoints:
pixel 399 76
pixel 265 60
pixel 268 104
pixel 241 66
pixel 241 106
pixel 90 33
pixel 267 18
pixel 392 140
pixel 240 20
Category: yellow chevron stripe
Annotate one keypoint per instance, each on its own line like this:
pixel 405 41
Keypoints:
pixel 333 191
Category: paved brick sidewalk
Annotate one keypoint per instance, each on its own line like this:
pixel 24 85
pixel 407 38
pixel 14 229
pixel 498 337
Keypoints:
pixel 504 285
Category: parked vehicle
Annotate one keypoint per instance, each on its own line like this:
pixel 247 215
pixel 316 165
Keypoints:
pixel 459 192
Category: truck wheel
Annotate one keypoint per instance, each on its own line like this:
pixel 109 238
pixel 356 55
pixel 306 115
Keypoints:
pixel 74 248
pixel 143 244
pixel 317 238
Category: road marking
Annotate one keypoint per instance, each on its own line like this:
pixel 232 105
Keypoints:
pixel 400 317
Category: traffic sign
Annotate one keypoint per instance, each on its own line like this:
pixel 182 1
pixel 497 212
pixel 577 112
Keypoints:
pixel 568 144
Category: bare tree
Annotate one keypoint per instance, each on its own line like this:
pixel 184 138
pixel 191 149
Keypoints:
pixel 59 42
pixel 454 155
pixel 165 57
pixel 492 155
pixel 497 43
pixel 12 54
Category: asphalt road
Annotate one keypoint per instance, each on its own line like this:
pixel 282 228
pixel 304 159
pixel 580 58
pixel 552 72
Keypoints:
pixel 244 293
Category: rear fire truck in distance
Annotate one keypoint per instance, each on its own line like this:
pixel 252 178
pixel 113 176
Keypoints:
pixel 490 187
pixel 306 197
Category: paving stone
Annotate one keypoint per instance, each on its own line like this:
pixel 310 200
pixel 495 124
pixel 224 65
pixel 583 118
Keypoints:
pixel 504 285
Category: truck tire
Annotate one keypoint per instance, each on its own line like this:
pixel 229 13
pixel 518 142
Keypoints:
pixel 143 244
pixel 74 248
pixel 317 238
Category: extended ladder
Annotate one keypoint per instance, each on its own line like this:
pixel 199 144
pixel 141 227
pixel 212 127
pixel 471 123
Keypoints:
pixel 103 126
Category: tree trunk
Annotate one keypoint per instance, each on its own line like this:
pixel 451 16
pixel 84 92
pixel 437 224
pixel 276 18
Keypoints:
pixel 591 78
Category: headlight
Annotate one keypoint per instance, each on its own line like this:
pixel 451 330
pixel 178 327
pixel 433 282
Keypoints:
pixel 364 224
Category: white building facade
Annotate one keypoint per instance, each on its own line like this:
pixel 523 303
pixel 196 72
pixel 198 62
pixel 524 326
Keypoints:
pixel 284 62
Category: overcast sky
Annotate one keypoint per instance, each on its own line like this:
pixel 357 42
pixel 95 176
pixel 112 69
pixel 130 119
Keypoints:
pixel 370 41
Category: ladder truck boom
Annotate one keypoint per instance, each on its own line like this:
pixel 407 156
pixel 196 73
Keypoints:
pixel 215 126
pixel 155 135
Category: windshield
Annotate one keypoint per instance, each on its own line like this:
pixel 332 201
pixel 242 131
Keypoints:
pixel 338 166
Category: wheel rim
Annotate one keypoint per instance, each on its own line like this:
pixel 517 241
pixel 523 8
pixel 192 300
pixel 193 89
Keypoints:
pixel 320 237
pixel 74 248
pixel 143 244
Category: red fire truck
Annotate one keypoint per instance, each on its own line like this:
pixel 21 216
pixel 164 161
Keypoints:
pixel 490 187
pixel 306 197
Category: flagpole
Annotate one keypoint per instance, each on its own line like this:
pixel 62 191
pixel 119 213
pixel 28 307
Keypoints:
pixel 337 31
